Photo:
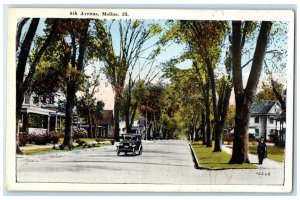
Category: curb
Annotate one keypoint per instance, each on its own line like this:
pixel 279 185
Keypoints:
pixel 195 159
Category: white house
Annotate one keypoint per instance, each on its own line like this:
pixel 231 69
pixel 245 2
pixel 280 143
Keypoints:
pixel 47 110
pixel 263 118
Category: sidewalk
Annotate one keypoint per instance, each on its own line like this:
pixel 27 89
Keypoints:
pixel 267 163
pixel 50 146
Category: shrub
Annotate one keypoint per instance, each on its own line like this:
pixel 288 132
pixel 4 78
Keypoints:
pixel 273 137
pixel 228 137
pixel 23 138
pixel 79 133
pixel 55 135
pixel 80 142
pixel 40 138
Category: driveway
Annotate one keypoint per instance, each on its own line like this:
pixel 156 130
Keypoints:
pixel 163 161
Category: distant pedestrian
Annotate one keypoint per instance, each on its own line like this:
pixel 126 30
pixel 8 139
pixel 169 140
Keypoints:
pixel 261 150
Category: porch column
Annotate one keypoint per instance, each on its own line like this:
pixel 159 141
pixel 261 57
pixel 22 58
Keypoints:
pixel 25 122
pixel 48 124
pixel 60 123
pixel 55 128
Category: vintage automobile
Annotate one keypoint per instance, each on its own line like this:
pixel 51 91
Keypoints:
pixel 131 143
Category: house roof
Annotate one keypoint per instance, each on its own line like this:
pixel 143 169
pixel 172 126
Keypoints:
pixel 263 107
pixel 107 117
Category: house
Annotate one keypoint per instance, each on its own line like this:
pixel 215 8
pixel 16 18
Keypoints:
pixel 42 115
pixel 263 118
pixel 134 129
pixel 106 124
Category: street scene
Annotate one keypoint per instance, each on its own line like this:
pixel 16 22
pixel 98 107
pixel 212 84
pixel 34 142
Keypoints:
pixel 162 162
pixel 152 101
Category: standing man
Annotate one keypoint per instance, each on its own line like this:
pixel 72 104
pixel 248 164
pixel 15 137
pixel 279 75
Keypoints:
pixel 261 150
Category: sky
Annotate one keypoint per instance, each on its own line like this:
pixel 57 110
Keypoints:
pixel 173 50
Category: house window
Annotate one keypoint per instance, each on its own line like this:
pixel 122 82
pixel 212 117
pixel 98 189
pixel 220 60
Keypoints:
pixel 51 99
pixel 256 132
pixel 271 120
pixel 27 99
pixel 256 119
pixel 35 100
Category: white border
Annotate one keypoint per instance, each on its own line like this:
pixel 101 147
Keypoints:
pixel 15 13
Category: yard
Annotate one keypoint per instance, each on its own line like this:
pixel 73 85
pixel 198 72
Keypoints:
pixel 273 152
pixel 216 160
pixel 31 149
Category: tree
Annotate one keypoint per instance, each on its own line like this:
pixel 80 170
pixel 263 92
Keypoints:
pixel 68 53
pixel 268 92
pixel 133 37
pixel 150 105
pixel 25 58
pixel 73 60
pixel 48 78
pixel 245 97
pixel 208 37
pixel 87 103
pixel 184 100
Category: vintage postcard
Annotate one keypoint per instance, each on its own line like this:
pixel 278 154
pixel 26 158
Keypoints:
pixel 153 100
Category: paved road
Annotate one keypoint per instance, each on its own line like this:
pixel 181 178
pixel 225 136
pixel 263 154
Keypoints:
pixel 165 162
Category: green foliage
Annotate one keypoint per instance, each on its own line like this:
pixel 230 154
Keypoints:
pixel 48 78
pixel 230 116
pixel 267 92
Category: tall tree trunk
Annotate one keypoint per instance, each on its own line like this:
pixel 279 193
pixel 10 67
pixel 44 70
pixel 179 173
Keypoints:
pixel 133 114
pixel 69 111
pixel 90 130
pixel 244 98
pixel 207 109
pixel 217 134
pixel 240 140
pixel 224 109
pixel 127 123
pixel 203 130
pixel 116 116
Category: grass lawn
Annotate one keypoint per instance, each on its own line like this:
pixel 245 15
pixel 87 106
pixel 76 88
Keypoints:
pixel 40 151
pixel 273 152
pixel 216 160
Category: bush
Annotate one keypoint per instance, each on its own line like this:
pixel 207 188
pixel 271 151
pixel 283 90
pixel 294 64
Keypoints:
pixel 24 138
pixel 228 137
pixel 40 138
pixel 79 133
pixel 80 142
pixel 55 135
pixel 273 137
